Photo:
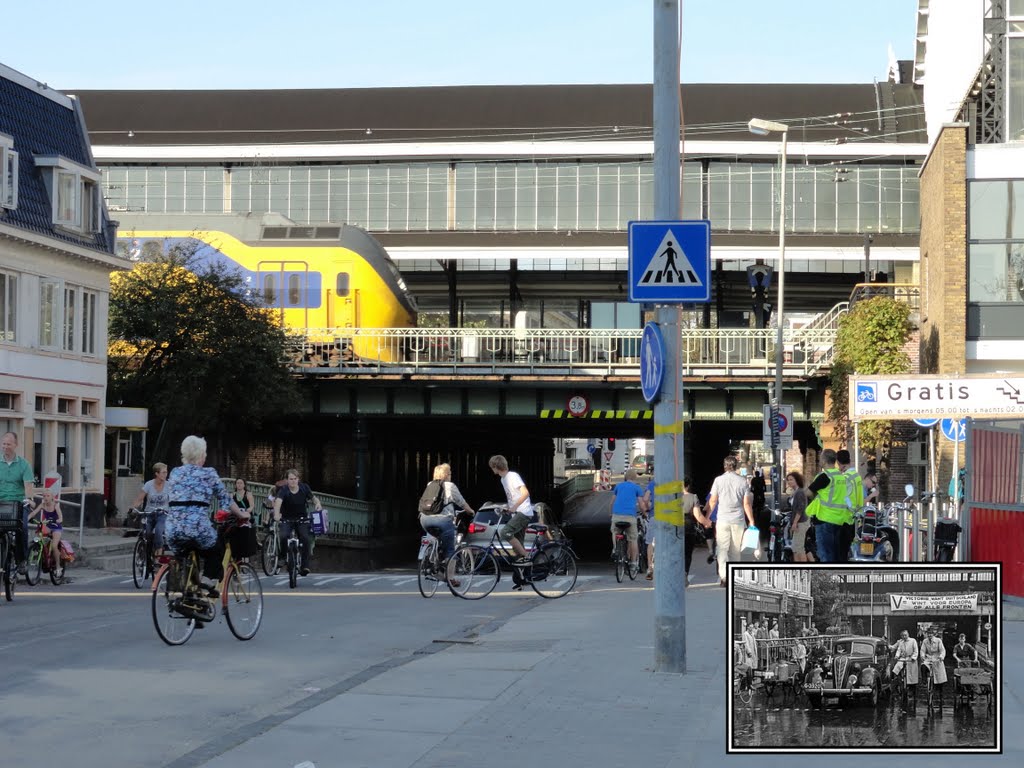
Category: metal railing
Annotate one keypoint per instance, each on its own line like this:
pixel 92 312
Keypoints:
pixel 345 517
pixel 909 293
pixel 555 352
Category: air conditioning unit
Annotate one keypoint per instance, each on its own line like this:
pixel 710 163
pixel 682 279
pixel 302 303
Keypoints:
pixel 917 453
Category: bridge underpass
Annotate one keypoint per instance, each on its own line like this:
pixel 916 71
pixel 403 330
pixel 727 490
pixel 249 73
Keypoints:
pixel 377 439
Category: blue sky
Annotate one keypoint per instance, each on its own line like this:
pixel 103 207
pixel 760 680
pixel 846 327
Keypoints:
pixel 378 43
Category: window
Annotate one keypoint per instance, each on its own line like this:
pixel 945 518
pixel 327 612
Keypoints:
pixel 8 306
pixel 69 319
pixel 342 284
pixel 49 312
pixel 8 401
pixel 74 194
pixel 88 323
pixel 8 173
pixel 65 451
pixel 294 290
pixel 89 408
pixel 270 289
pixel 66 406
pixel 43 404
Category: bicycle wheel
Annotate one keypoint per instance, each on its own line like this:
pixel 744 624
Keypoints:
pixel 173 627
pixel 139 563
pixel 293 564
pixel 269 554
pixel 745 692
pixel 472 572
pixel 620 560
pixel 34 566
pixel 10 573
pixel 553 571
pixel 429 575
pixel 243 600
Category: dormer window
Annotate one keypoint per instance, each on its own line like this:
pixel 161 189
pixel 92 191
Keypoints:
pixel 74 194
pixel 8 173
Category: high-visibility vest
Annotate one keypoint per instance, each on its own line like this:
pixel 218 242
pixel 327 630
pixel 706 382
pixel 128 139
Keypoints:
pixel 835 501
pixel 855 487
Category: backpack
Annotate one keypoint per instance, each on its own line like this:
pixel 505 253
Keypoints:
pixel 432 500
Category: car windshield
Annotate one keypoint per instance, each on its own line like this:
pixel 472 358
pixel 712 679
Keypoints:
pixel 863 649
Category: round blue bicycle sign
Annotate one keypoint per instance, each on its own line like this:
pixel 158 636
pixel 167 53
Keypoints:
pixel 652 362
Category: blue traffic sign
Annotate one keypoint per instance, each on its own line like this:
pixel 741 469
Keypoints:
pixel 591 448
pixel 954 430
pixel 670 261
pixel 926 422
pixel 652 362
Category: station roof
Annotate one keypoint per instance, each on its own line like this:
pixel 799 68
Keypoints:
pixel 885 111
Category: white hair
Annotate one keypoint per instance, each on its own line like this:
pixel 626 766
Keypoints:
pixel 192 449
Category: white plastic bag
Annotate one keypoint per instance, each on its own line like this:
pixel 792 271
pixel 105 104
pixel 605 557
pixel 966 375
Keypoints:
pixel 751 540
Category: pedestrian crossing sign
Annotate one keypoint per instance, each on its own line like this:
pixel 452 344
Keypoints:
pixel 670 261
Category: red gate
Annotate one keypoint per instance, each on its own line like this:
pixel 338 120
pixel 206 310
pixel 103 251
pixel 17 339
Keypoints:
pixel 994 504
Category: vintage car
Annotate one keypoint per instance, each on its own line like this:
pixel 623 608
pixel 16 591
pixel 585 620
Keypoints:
pixel 856 669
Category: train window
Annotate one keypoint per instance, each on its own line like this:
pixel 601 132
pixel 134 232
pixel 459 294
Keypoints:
pixel 342 286
pixel 294 293
pixel 270 289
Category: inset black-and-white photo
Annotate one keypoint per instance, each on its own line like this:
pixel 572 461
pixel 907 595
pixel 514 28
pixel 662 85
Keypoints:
pixel 847 658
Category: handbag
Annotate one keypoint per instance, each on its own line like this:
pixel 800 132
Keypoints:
pixel 751 539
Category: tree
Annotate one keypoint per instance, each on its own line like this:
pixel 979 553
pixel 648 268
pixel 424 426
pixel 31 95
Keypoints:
pixel 189 343
pixel 872 340
pixel 829 601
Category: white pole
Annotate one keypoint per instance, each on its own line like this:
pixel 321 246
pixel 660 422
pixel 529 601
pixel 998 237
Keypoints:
pixel 856 446
pixel 81 511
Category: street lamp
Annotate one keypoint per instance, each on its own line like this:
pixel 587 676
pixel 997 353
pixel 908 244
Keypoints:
pixel 760 127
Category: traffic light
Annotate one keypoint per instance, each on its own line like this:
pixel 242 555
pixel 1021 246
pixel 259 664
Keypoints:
pixel 611 443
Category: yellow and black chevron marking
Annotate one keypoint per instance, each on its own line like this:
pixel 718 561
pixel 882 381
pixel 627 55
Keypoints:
pixel 562 413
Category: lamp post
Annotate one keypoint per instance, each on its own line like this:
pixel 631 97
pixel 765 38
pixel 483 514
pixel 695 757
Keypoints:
pixel 761 127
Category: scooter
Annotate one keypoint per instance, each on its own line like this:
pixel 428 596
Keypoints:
pixel 947 534
pixel 874 539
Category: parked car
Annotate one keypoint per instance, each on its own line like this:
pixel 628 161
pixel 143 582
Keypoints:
pixel 578 466
pixel 644 464
pixel 856 670
pixel 491 515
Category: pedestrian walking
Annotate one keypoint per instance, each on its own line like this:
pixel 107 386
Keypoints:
pixel 796 506
pixel 730 494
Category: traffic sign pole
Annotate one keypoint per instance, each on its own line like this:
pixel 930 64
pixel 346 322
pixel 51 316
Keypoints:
pixel 669 561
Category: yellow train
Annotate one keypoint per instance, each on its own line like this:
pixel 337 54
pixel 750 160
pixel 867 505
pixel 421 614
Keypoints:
pixel 322 280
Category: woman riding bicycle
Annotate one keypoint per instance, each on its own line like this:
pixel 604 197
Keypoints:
pixel 156 495
pixel 933 656
pixel 192 487
pixel 290 509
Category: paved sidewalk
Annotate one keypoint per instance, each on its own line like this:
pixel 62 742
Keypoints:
pixel 567 682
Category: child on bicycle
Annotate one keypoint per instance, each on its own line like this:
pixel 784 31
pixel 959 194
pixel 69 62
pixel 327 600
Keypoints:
pixel 49 514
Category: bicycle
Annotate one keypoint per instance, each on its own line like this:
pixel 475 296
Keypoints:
pixel 432 567
pixel 474 571
pixel 270 549
pixel 928 673
pixel 623 565
pixel 10 524
pixel 294 551
pixel 39 555
pixel 900 690
pixel 179 600
pixel 143 558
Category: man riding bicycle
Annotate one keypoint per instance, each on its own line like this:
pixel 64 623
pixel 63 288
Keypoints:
pixel 906 656
pixel 290 508
pixel 16 488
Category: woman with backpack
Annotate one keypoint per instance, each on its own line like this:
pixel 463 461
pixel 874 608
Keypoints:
pixel 437 508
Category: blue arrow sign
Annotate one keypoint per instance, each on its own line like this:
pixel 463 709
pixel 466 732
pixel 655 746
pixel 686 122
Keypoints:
pixel 591 448
pixel 954 430
pixel 670 261
pixel 652 362
pixel 926 422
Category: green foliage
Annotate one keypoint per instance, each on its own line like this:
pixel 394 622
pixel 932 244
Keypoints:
pixel 189 344
pixel 829 601
pixel 872 340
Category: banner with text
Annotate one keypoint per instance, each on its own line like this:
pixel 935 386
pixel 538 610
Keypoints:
pixel 925 603
pixel 944 397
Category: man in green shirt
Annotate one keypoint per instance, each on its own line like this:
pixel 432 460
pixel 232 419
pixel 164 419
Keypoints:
pixel 16 480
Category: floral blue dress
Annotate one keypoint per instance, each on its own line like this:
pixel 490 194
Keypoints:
pixel 188 525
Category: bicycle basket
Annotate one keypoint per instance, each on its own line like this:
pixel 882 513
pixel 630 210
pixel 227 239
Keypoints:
pixel 10 516
pixel 243 541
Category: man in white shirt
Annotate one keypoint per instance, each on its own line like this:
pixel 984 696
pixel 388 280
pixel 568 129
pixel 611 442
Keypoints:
pixel 519 505
pixel 735 511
